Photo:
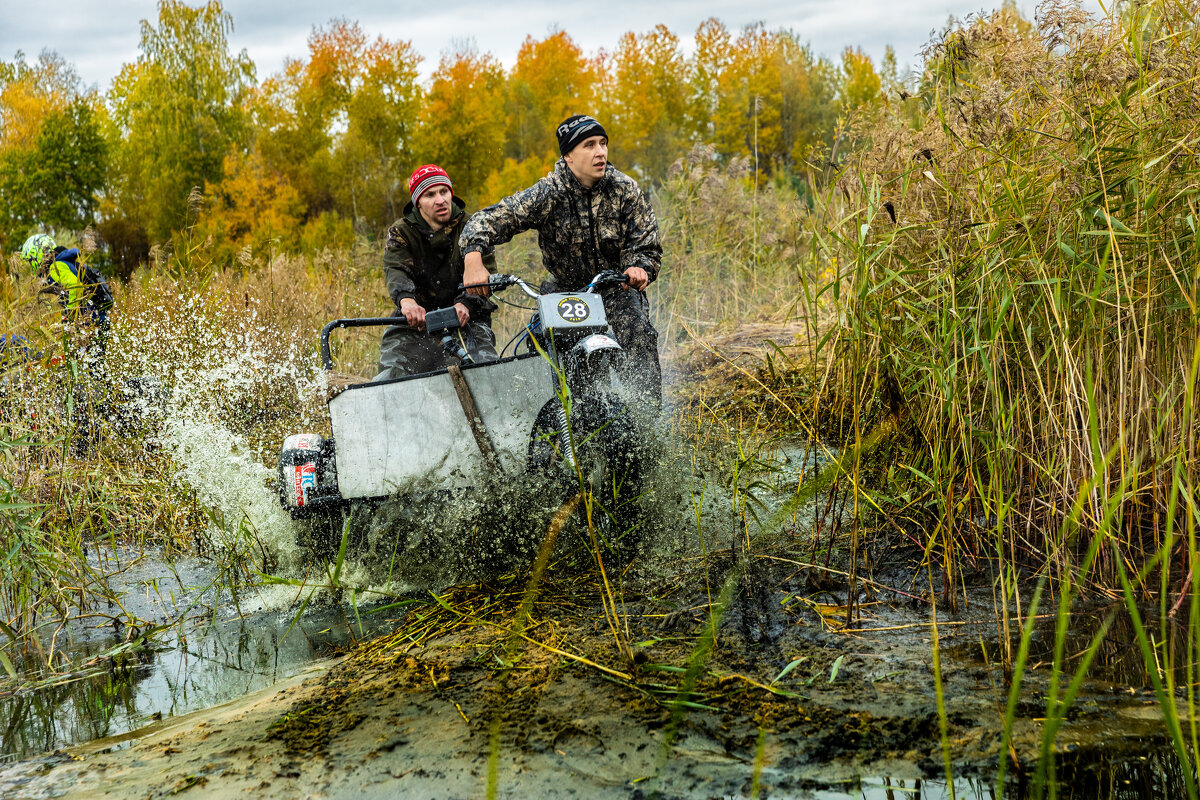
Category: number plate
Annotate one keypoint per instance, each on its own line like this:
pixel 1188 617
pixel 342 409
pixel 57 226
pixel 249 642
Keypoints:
pixel 572 311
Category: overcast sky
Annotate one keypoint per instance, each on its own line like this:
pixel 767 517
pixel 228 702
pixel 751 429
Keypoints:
pixel 98 36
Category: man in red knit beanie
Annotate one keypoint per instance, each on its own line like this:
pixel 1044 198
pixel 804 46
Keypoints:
pixel 423 268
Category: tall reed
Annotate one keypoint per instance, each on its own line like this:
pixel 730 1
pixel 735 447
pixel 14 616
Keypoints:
pixel 1018 275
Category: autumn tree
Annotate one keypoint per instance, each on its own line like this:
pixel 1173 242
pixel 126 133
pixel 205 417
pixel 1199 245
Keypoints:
pixel 28 92
pixel 374 154
pixel 775 101
pixel 550 81
pixel 53 154
pixel 650 102
pixel 860 83
pixel 463 122
pixel 177 113
pixel 252 212
pixel 709 60
pixel 301 111
pixel 340 125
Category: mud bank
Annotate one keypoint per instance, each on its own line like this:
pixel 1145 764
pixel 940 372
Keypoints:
pixel 454 702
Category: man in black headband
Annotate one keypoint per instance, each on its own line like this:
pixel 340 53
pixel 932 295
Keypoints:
pixel 589 217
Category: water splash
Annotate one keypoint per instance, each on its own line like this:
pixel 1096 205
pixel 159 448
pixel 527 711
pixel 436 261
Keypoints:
pixel 231 384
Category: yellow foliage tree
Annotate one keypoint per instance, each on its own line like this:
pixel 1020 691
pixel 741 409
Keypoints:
pixel 372 156
pixel 514 176
pixel 340 125
pixel 23 106
pixel 462 122
pixel 254 210
pixel 649 103
pixel 28 92
pixel 747 121
pixel 775 102
pixel 709 60
pixel 550 81
pixel 860 83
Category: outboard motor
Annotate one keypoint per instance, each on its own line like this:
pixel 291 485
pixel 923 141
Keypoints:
pixel 307 476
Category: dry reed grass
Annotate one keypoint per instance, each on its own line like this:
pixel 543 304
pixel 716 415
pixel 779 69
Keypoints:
pixel 1019 280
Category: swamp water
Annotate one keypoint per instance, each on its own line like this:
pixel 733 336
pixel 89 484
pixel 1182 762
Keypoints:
pixel 223 640
pixel 228 637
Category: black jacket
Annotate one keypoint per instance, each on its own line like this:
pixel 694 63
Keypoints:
pixel 427 265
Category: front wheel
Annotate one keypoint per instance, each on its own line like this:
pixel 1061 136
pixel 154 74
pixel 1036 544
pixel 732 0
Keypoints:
pixel 602 453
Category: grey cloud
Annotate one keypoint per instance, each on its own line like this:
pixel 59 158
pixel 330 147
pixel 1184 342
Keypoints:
pixel 99 37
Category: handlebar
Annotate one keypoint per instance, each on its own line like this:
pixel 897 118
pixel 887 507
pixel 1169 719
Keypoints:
pixel 499 280
pixel 367 322
pixel 496 282
pixel 326 356
pixel 607 278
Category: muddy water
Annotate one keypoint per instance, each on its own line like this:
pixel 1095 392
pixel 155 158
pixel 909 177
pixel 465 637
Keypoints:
pixel 226 641
pixel 210 656
pixel 227 647
pixel 227 632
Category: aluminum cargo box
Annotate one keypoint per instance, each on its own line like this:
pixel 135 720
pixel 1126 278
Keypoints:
pixel 413 434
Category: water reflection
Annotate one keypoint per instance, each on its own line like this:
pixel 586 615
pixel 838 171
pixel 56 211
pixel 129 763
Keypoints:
pixel 195 666
pixel 1118 659
pixel 1154 776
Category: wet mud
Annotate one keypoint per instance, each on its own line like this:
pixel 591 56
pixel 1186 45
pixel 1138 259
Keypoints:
pixel 786 700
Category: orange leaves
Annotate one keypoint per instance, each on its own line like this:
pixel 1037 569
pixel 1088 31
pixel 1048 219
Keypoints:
pixel 347 125
pixel 340 125
pixel 334 63
pixel 333 135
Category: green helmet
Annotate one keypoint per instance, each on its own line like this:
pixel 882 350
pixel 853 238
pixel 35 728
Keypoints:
pixel 35 249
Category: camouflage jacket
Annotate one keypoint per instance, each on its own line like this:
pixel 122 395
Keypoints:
pixel 580 231
pixel 427 265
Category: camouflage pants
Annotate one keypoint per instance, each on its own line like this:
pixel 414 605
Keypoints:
pixel 628 313
pixel 408 351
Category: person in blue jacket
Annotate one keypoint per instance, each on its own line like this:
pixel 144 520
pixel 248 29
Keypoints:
pixel 86 299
